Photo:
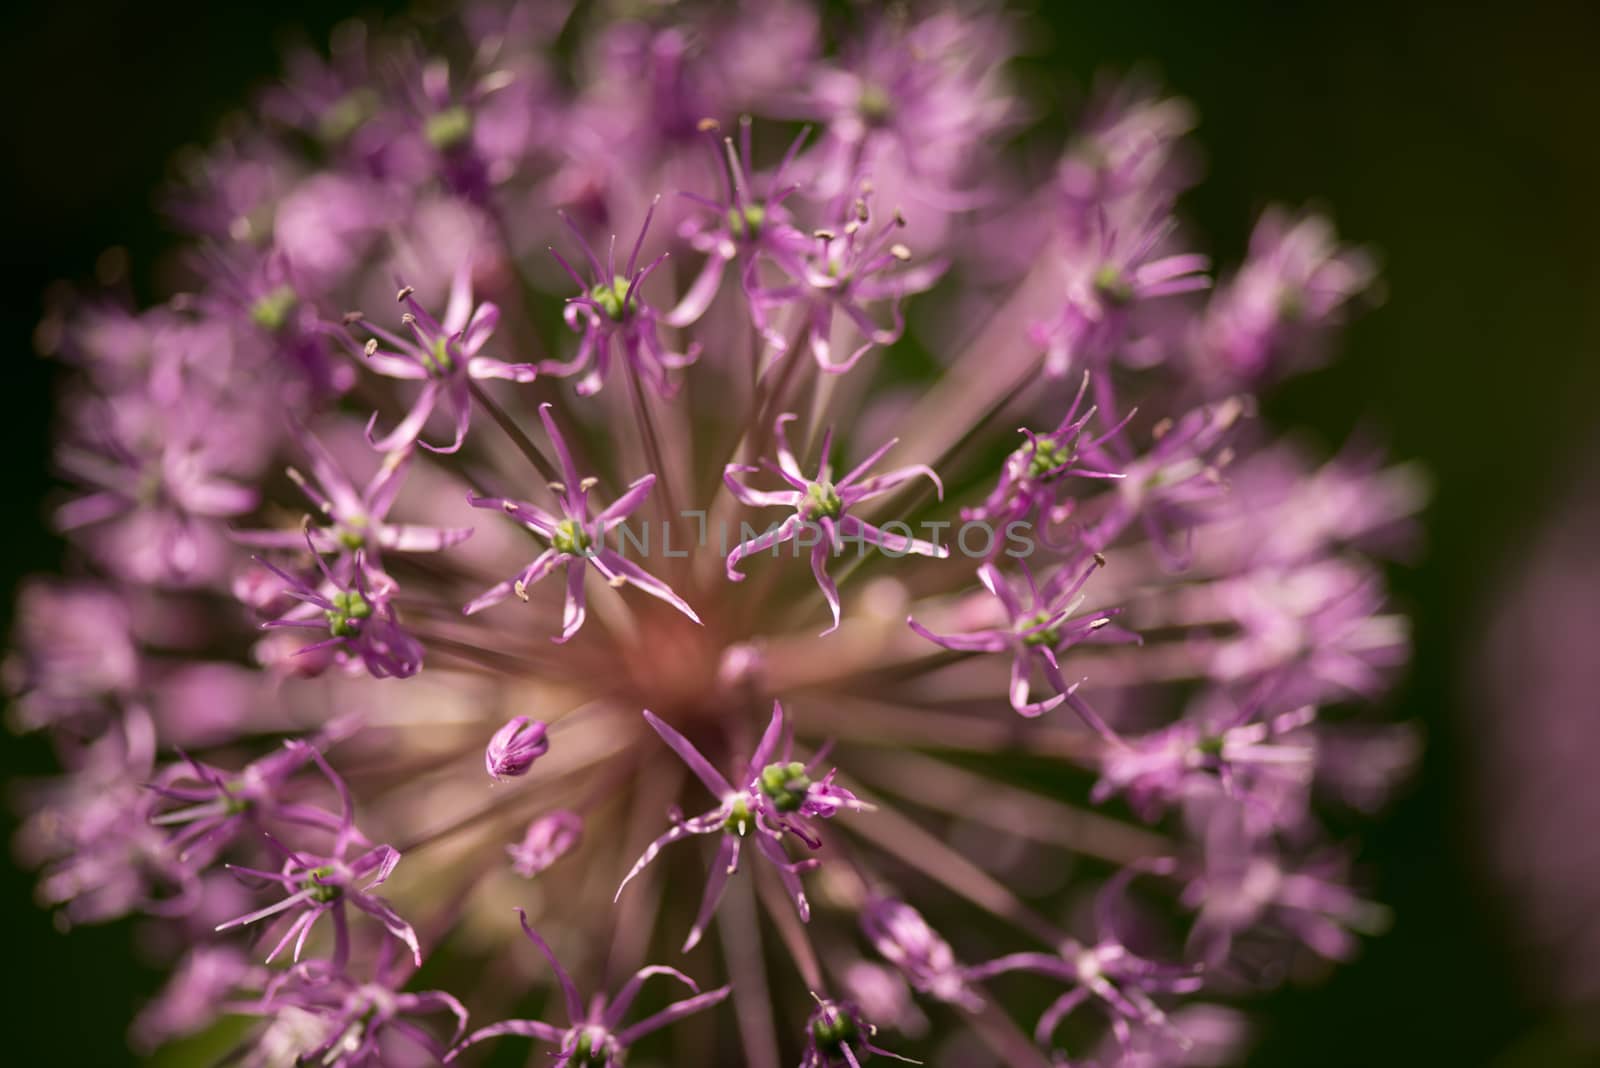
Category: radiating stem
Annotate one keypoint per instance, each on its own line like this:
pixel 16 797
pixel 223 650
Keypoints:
pixel 927 853
pixel 790 929
pixel 741 946
pixel 521 440
pixel 941 785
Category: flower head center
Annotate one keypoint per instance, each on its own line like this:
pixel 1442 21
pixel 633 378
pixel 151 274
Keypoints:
pixel 347 115
pixel 833 1029
pixel 822 501
pixel 746 225
pixel 1045 455
pixel 436 358
pixel 271 311
pixel 1113 285
pixel 785 785
pixel 594 1048
pixel 571 539
pixel 874 105
pixel 614 299
pixel 739 819
pixel 448 128
pixel 322 891
pixel 349 609
pixel 1035 632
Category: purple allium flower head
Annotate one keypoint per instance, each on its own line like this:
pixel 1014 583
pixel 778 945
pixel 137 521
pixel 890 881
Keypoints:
pixel 191 1000
pixel 1030 483
pixel 1106 281
pixel 74 654
pixel 449 157
pixel 358 517
pixel 514 748
pixel 359 618
pixel 1036 633
pixel 208 807
pixel 1290 292
pixel 837 1034
pixel 611 313
pixel 821 510
pixel 323 884
pixel 157 481
pixel 90 832
pixel 1174 485
pixel 1251 889
pixel 740 225
pixel 444 356
pixel 903 938
pixel 1107 974
pixel 1236 749
pixel 849 268
pixel 331 1019
pixel 915 103
pixel 1128 158
pixel 774 798
pixel 547 839
pixel 596 1037
pixel 577 541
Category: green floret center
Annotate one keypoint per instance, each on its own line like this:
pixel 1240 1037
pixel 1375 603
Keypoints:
pixel 1291 304
pixel 785 785
pixel 1043 636
pixel 613 298
pixel 272 310
pixel 746 224
pixel 1112 285
pixel 436 359
pixel 321 892
pixel 822 501
pixel 874 105
pixel 738 821
pixel 349 609
pixel 1211 747
pixel 834 1030
pixel 448 128
pixel 571 538
pixel 1044 456
pixel 352 534
pixel 589 1052
pixel 347 115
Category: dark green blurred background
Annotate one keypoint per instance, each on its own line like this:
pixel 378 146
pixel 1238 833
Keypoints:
pixel 1462 143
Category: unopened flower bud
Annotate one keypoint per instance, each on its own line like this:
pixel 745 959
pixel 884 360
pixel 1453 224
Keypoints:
pixel 514 748
pixel 547 840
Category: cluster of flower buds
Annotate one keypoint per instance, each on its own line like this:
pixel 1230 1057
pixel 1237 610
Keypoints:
pixel 833 308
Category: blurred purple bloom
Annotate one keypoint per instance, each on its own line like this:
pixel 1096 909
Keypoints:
pixel 349 1022
pixel 358 518
pixel 903 938
pixel 845 269
pixel 323 884
pixel 1289 294
pixel 547 839
pixel 73 653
